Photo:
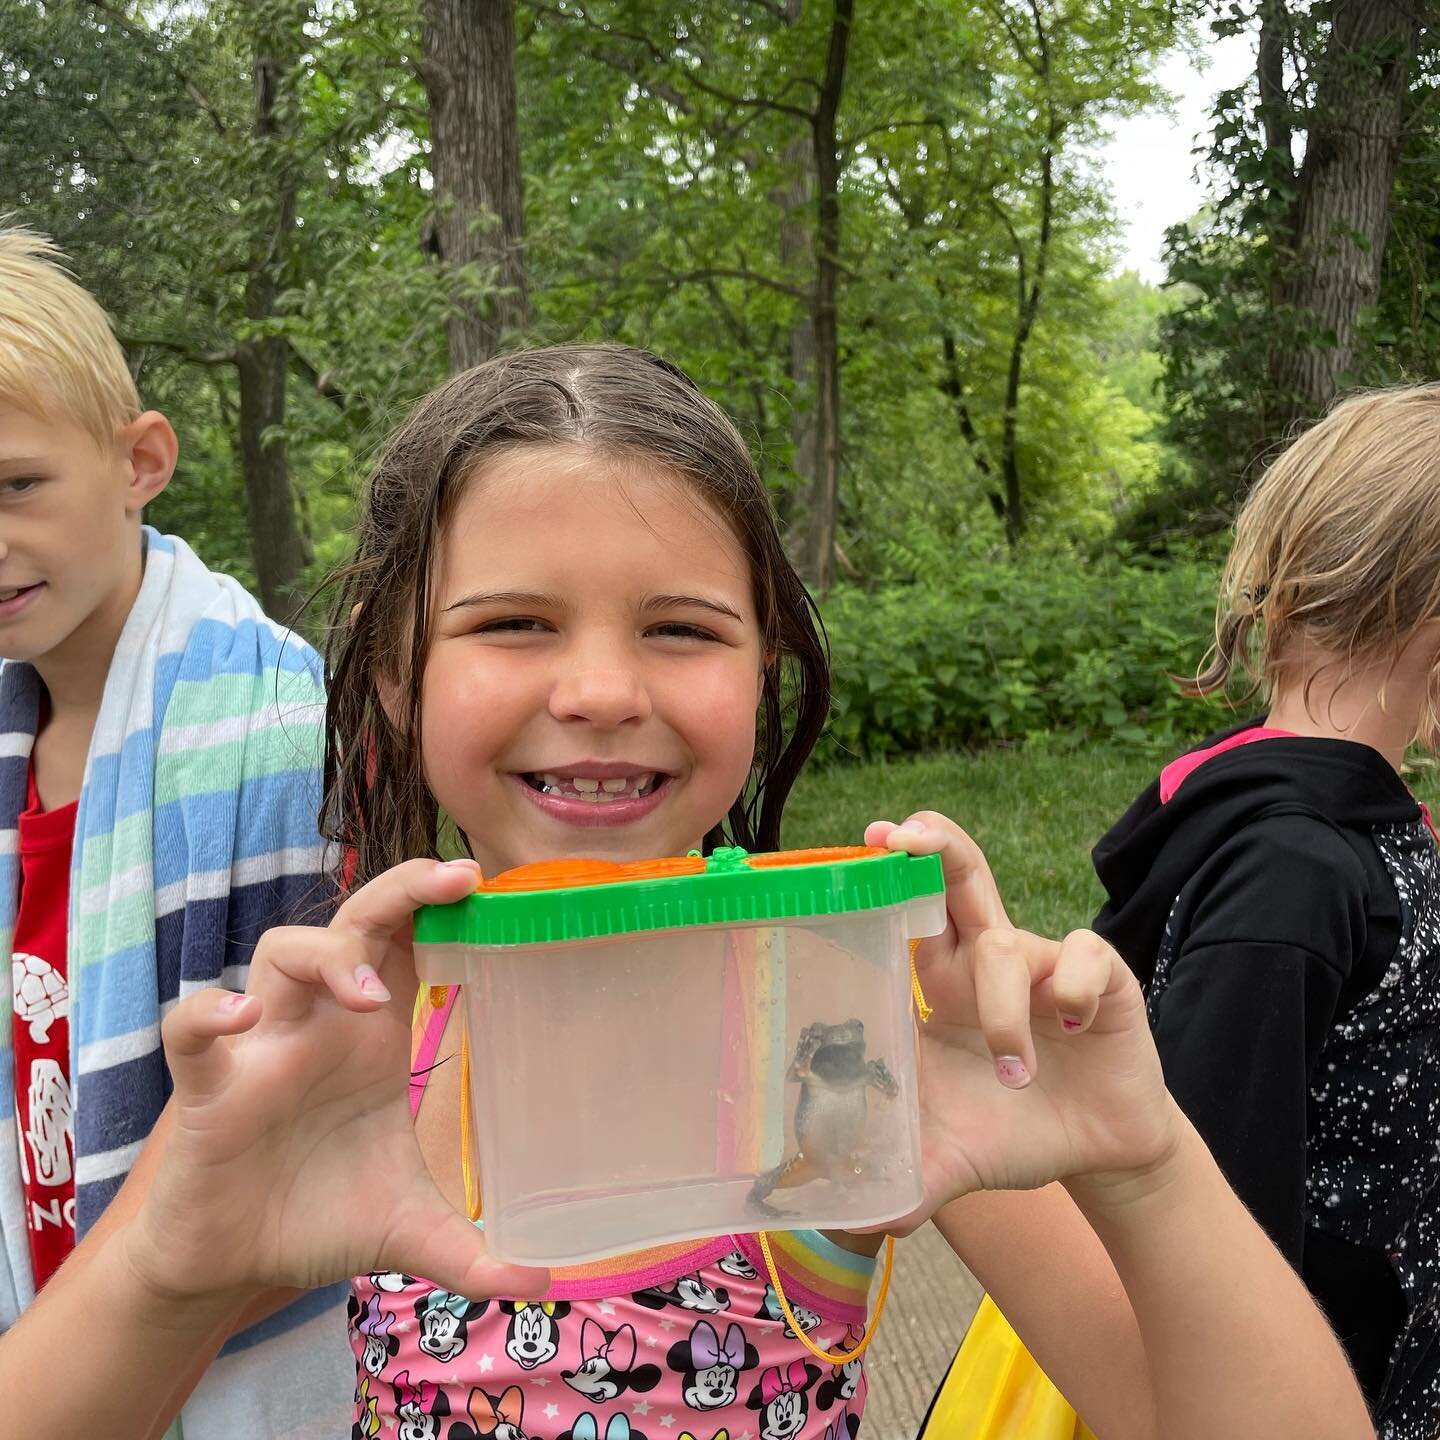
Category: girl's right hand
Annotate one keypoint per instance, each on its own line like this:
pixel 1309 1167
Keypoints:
pixel 1037 1064
pixel 292 1160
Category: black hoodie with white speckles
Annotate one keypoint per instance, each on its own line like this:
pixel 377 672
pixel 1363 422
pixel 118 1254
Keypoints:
pixel 1282 908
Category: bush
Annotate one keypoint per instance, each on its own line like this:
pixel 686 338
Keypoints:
pixel 1042 651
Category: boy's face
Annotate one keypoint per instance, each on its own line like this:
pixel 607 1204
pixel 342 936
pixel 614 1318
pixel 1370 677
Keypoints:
pixel 69 514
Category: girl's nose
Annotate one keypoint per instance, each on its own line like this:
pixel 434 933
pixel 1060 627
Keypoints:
pixel 608 696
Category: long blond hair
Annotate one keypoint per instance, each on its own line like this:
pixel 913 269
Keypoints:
pixel 1338 545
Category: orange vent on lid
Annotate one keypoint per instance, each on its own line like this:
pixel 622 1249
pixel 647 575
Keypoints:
pixel 562 874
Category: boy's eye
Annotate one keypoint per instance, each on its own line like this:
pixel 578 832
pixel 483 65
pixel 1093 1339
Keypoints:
pixel 19 484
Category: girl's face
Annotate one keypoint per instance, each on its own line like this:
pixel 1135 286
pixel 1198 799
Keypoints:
pixel 595 663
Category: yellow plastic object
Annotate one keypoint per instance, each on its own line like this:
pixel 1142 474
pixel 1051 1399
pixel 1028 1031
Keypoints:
pixel 995 1390
pixel 473 1207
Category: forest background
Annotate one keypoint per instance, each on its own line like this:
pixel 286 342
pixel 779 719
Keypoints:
pixel 877 233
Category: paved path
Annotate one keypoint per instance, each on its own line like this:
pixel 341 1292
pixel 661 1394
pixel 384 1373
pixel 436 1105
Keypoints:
pixel 932 1297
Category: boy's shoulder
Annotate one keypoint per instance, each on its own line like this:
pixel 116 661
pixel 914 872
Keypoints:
pixel 239 698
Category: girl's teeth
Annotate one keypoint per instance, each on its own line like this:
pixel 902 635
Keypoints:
pixel 596 792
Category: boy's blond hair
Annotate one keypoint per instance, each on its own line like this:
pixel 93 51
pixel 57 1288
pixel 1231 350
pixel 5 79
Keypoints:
pixel 58 355
pixel 1338 544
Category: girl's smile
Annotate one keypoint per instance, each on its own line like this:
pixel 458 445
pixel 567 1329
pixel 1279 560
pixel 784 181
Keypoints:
pixel 591 792
pixel 596 663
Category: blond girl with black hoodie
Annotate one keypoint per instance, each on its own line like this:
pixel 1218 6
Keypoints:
pixel 1277 889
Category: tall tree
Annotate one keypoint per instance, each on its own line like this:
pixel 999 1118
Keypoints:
pixel 673 198
pixel 825 487
pixel 1332 249
pixel 1031 262
pixel 1291 293
pixel 993 197
pixel 688 63
pixel 468 66
pixel 793 195
pixel 262 356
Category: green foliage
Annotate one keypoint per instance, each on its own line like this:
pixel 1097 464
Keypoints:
pixel 1027 651
pixel 1228 266
pixel 127 132
pixel 1402 337
pixel 661 172
pixel 667 175
pixel 666 206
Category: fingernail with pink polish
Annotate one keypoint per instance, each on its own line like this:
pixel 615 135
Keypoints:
pixel 369 982
pixel 1012 1072
pixel 1069 1022
pixel 232 1002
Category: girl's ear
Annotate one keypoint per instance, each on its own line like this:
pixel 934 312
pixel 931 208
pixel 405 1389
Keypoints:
pixel 387 691
pixel 389 688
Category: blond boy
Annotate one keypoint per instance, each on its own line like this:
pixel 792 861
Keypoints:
pixel 159 744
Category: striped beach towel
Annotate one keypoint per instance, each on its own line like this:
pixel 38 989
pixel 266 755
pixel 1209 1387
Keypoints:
pixel 196 831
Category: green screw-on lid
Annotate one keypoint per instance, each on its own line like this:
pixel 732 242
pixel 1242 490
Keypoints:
pixel 730 887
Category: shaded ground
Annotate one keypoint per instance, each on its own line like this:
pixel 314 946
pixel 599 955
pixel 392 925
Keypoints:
pixel 932 1298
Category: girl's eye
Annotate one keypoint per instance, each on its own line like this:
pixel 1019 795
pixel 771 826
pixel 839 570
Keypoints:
pixel 511 625
pixel 680 630
pixel 20 485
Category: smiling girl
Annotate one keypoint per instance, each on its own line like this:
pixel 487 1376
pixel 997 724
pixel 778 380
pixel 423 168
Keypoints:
pixel 570 628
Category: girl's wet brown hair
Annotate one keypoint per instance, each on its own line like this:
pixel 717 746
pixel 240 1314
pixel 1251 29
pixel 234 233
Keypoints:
pixel 620 404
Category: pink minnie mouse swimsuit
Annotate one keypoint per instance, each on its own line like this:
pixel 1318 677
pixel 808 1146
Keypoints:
pixel 683 1342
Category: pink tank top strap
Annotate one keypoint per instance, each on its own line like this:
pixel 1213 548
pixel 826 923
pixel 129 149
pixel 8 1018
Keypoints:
pixel 430 1022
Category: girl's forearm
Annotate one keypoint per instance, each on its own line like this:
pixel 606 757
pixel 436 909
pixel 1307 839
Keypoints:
pixel 120 1347
pixel 1043 1265
pixel 1233 1344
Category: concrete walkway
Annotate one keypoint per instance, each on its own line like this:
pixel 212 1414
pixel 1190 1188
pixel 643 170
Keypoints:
pixel 932 1298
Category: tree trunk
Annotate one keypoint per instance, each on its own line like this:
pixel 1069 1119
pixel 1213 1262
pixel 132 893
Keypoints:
pixel 468 52
pixel 277 543
pixel 1342 213
pixel 825 492
pixel 797 257
pixel 952 386
pixel 1275 34
pixel 1030 280
pixel 1030 293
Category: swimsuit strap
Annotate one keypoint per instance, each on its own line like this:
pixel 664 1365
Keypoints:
pixel 432 1014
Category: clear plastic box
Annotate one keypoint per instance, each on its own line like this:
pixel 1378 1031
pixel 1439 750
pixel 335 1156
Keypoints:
pixel 719 1047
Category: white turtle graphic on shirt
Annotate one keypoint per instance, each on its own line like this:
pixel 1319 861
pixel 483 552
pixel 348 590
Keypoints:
pixel 50 1130
pixel 41 995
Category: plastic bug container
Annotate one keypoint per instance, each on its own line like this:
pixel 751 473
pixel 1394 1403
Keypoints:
pixel 688 1047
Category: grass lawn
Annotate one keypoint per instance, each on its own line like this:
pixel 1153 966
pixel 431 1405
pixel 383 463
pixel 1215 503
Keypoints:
pixel 1036 815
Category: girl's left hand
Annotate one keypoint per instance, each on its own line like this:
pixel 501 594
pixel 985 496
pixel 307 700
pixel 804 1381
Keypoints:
pixel 1037 1064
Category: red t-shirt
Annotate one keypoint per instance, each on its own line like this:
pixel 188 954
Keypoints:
pixel 42 1033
